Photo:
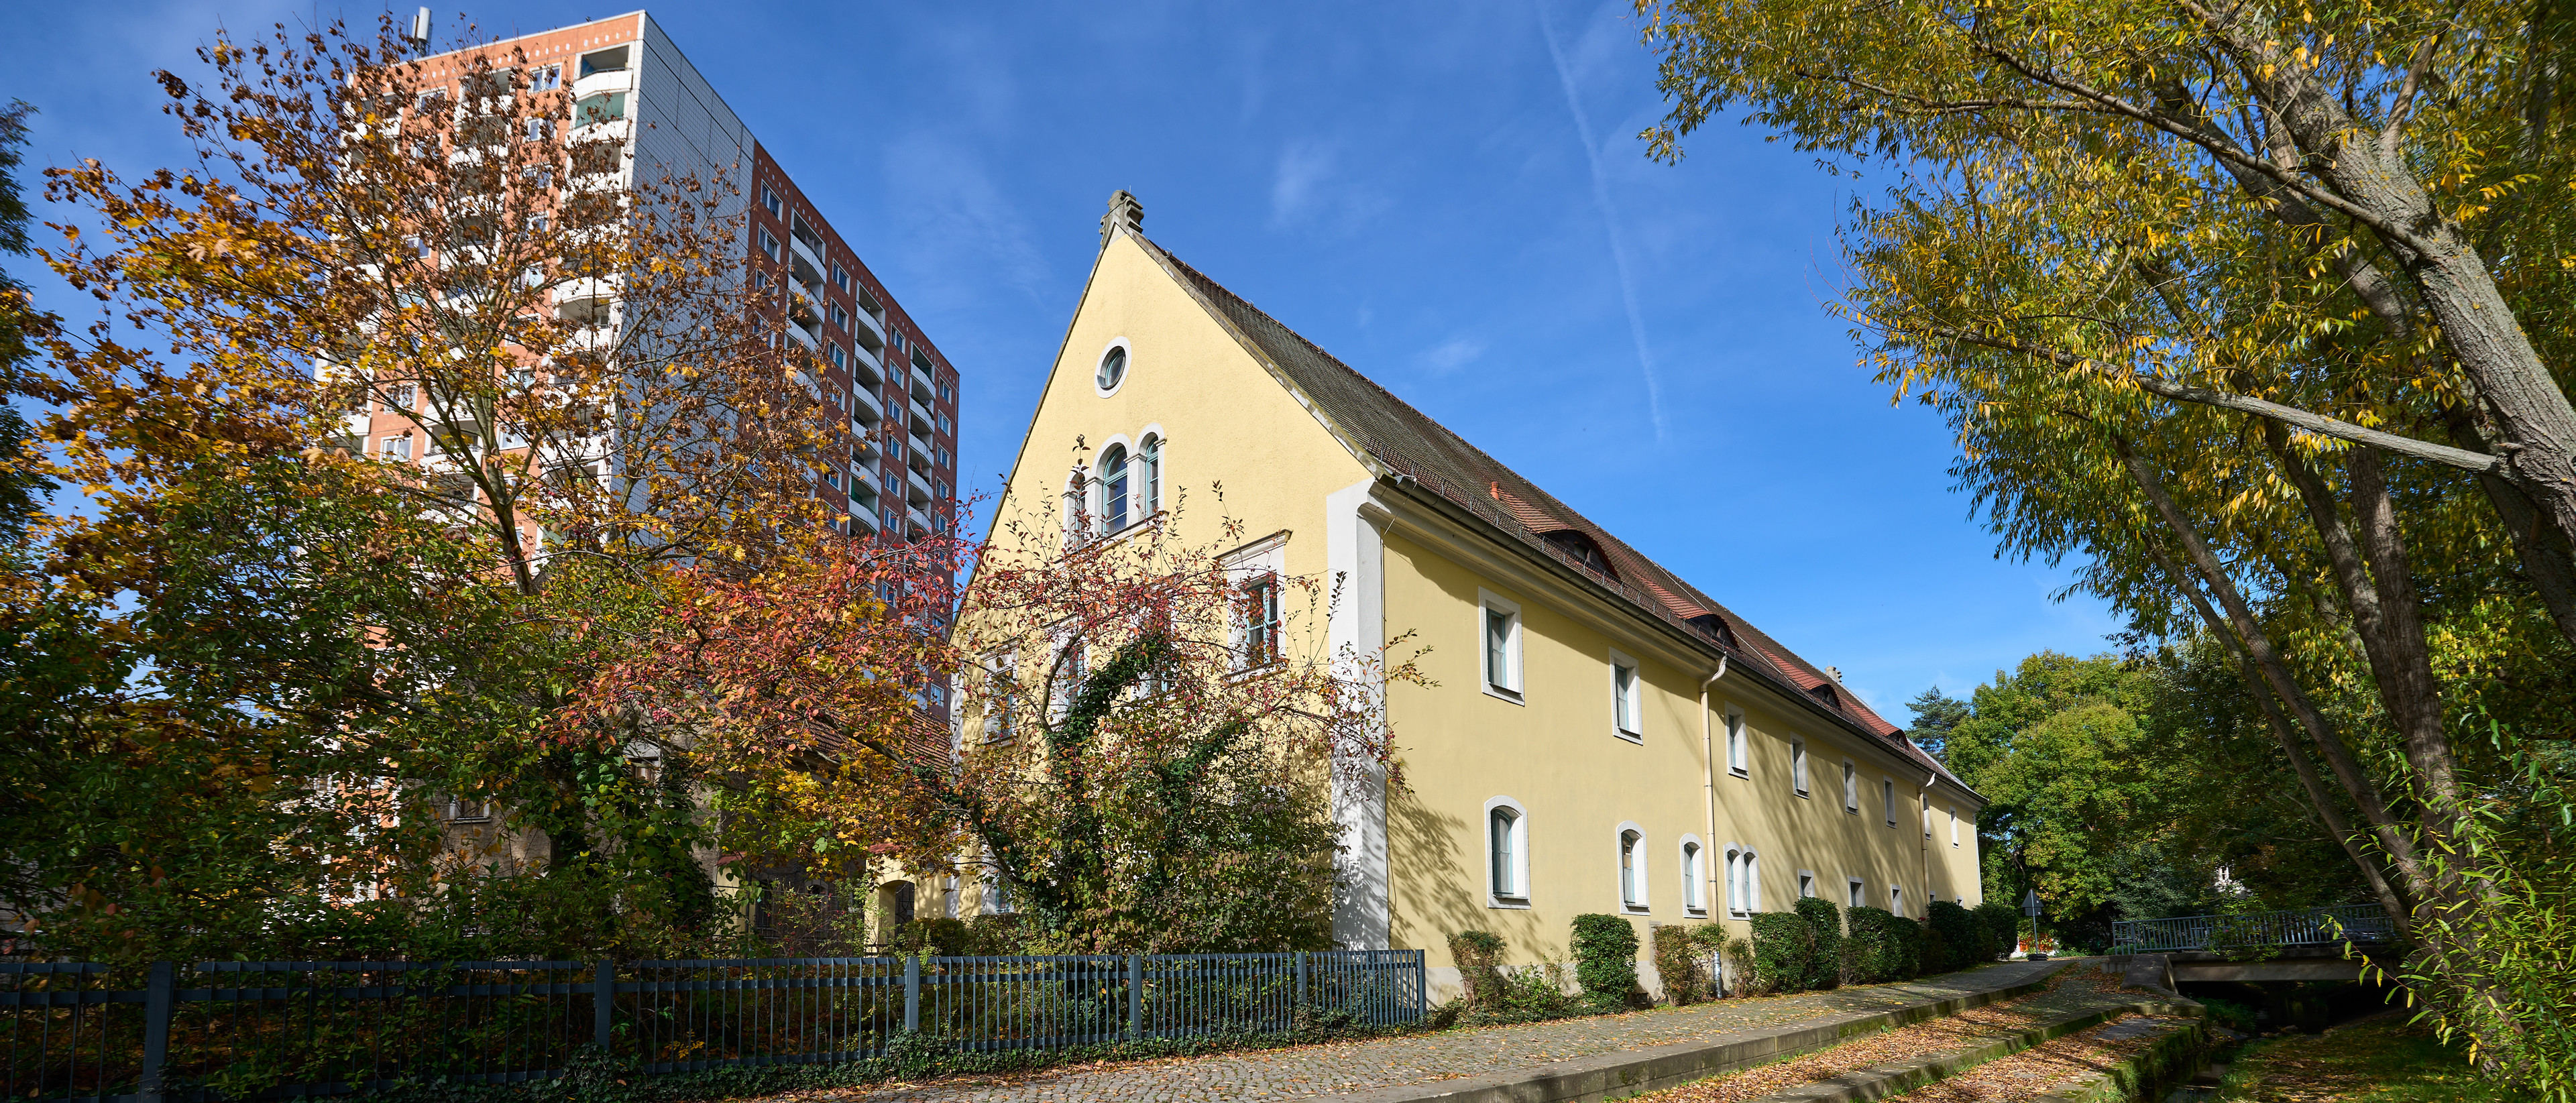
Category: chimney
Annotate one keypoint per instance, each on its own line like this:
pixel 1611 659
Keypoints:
pixel 1836 672
pixel 1125 213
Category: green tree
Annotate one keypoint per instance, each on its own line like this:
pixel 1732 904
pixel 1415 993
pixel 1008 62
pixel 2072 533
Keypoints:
pixel 1935 713
pixel 2239 305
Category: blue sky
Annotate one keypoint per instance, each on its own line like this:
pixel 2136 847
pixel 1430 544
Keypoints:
pixel 1451 199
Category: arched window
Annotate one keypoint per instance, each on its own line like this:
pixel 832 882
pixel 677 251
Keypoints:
pixel 1503 831
pixel 1734 881
pixel 1113 489
pixel 1149 488
pixel 1632 869
pixel 1694 897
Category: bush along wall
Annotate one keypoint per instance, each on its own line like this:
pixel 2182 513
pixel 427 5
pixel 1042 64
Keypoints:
pixel 1605 960
pixel 1882 946
pixel 1681 964
pixel 1960 939
pixel 1784 953
pixel 1496 996
pixel 1825 921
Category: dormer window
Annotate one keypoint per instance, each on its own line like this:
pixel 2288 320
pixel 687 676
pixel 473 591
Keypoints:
pixel 1714 625
pixel 1582 550
pixel 1826 695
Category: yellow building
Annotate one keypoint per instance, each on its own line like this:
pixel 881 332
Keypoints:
pixel 1602 737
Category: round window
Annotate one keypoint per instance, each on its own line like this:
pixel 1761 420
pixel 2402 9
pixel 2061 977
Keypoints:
pixel 1113 369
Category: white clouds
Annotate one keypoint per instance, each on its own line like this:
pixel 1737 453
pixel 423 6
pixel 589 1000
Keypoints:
pixel 1609 217
pixel 1309 189
pixel 960 231
pixel 1452 354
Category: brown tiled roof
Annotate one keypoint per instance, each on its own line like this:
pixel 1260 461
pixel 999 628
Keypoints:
pixel 1408 443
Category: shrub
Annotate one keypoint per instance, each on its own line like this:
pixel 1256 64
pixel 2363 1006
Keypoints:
pixel 1961 938
pixel 1825 966
pixel 1784 953
pixel 1882 946
pixel 2003 927
pixel 1681 965
pixel 1605 959
pixel 1479 955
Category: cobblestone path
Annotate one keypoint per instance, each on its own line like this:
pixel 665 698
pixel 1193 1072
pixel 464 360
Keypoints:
pixel 1301 1072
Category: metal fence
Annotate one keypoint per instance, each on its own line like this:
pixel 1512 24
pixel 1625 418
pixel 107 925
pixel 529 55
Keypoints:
pixel 271 1030
pixel 2362 923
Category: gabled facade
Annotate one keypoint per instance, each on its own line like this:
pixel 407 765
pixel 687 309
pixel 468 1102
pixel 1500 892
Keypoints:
pixel 1601 737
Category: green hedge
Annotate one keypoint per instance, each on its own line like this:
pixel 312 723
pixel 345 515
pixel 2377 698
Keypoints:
pixel 1957 939
pixel 2003 926
pixel 1784 953
pixel 1825 918
pixel 1605 959
pixel 1882 946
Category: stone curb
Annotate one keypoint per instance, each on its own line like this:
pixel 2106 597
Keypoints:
pixel 1631 1072
pixel 2176 1051
pixel 1896 1077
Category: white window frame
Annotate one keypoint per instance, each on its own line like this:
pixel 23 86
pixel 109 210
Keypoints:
pixel 1806 883
pixel 1858 892
pixel 1149 456
pixel 1954 824
pixel 1627 704
pixel 1851 787
pixel 1694 866
pixel 1743 881
pixel 1926 798
pixel 1124 373
pixel 1798 765
pixel 1519 857
pixel 1887 793
pixel 1640 877
pixel 1739 754
pixel 1487 604
pixel 1262 561
pixel 1896 899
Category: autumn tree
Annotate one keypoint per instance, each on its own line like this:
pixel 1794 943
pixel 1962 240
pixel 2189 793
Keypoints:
pixel 587 392
pixel 1150 731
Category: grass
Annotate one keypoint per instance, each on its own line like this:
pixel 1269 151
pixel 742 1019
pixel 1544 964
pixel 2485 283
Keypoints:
pixel 2380 1059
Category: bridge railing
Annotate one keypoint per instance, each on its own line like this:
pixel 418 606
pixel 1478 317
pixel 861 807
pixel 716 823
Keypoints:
pixel 2363 923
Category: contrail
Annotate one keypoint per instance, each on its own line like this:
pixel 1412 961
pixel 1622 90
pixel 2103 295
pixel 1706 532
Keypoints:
pixel 1609 222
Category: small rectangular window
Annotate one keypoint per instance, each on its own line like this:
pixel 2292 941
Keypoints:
pixel 1623 694
pixel 1851 787
pixel 1261 621
pixel 1954 827
pixel 1896 899
pixel 1858 900
pixel 1738 757
pixel 1806 884
pixel 545 78
pixel 1501 647
pixel 1887 790
pixel 1798 766
pixel 398 448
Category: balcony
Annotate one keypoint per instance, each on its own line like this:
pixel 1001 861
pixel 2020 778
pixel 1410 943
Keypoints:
pixel 603 83
pixel 917 489
pixel 864 410
pixel 920 521
pixel 797 248
pixel 920 428
pixel 867 328
pixel 866 369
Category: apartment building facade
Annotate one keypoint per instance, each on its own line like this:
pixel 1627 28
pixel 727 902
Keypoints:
pixel 1599 735
pixel 623 76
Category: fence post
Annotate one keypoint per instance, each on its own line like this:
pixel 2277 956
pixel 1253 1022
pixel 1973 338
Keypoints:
pixel 603 1001
pixel 1135 998
pixel 157 1000
pixel 1421 983
pixel 911 993
pixel 1299 999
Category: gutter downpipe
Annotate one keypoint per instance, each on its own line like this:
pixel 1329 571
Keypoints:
pixel 1924 798
pixel 1708 783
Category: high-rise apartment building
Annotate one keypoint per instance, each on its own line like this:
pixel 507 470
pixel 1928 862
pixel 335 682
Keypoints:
pixel 623 73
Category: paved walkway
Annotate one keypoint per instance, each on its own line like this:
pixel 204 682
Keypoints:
pixel 1303 1072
